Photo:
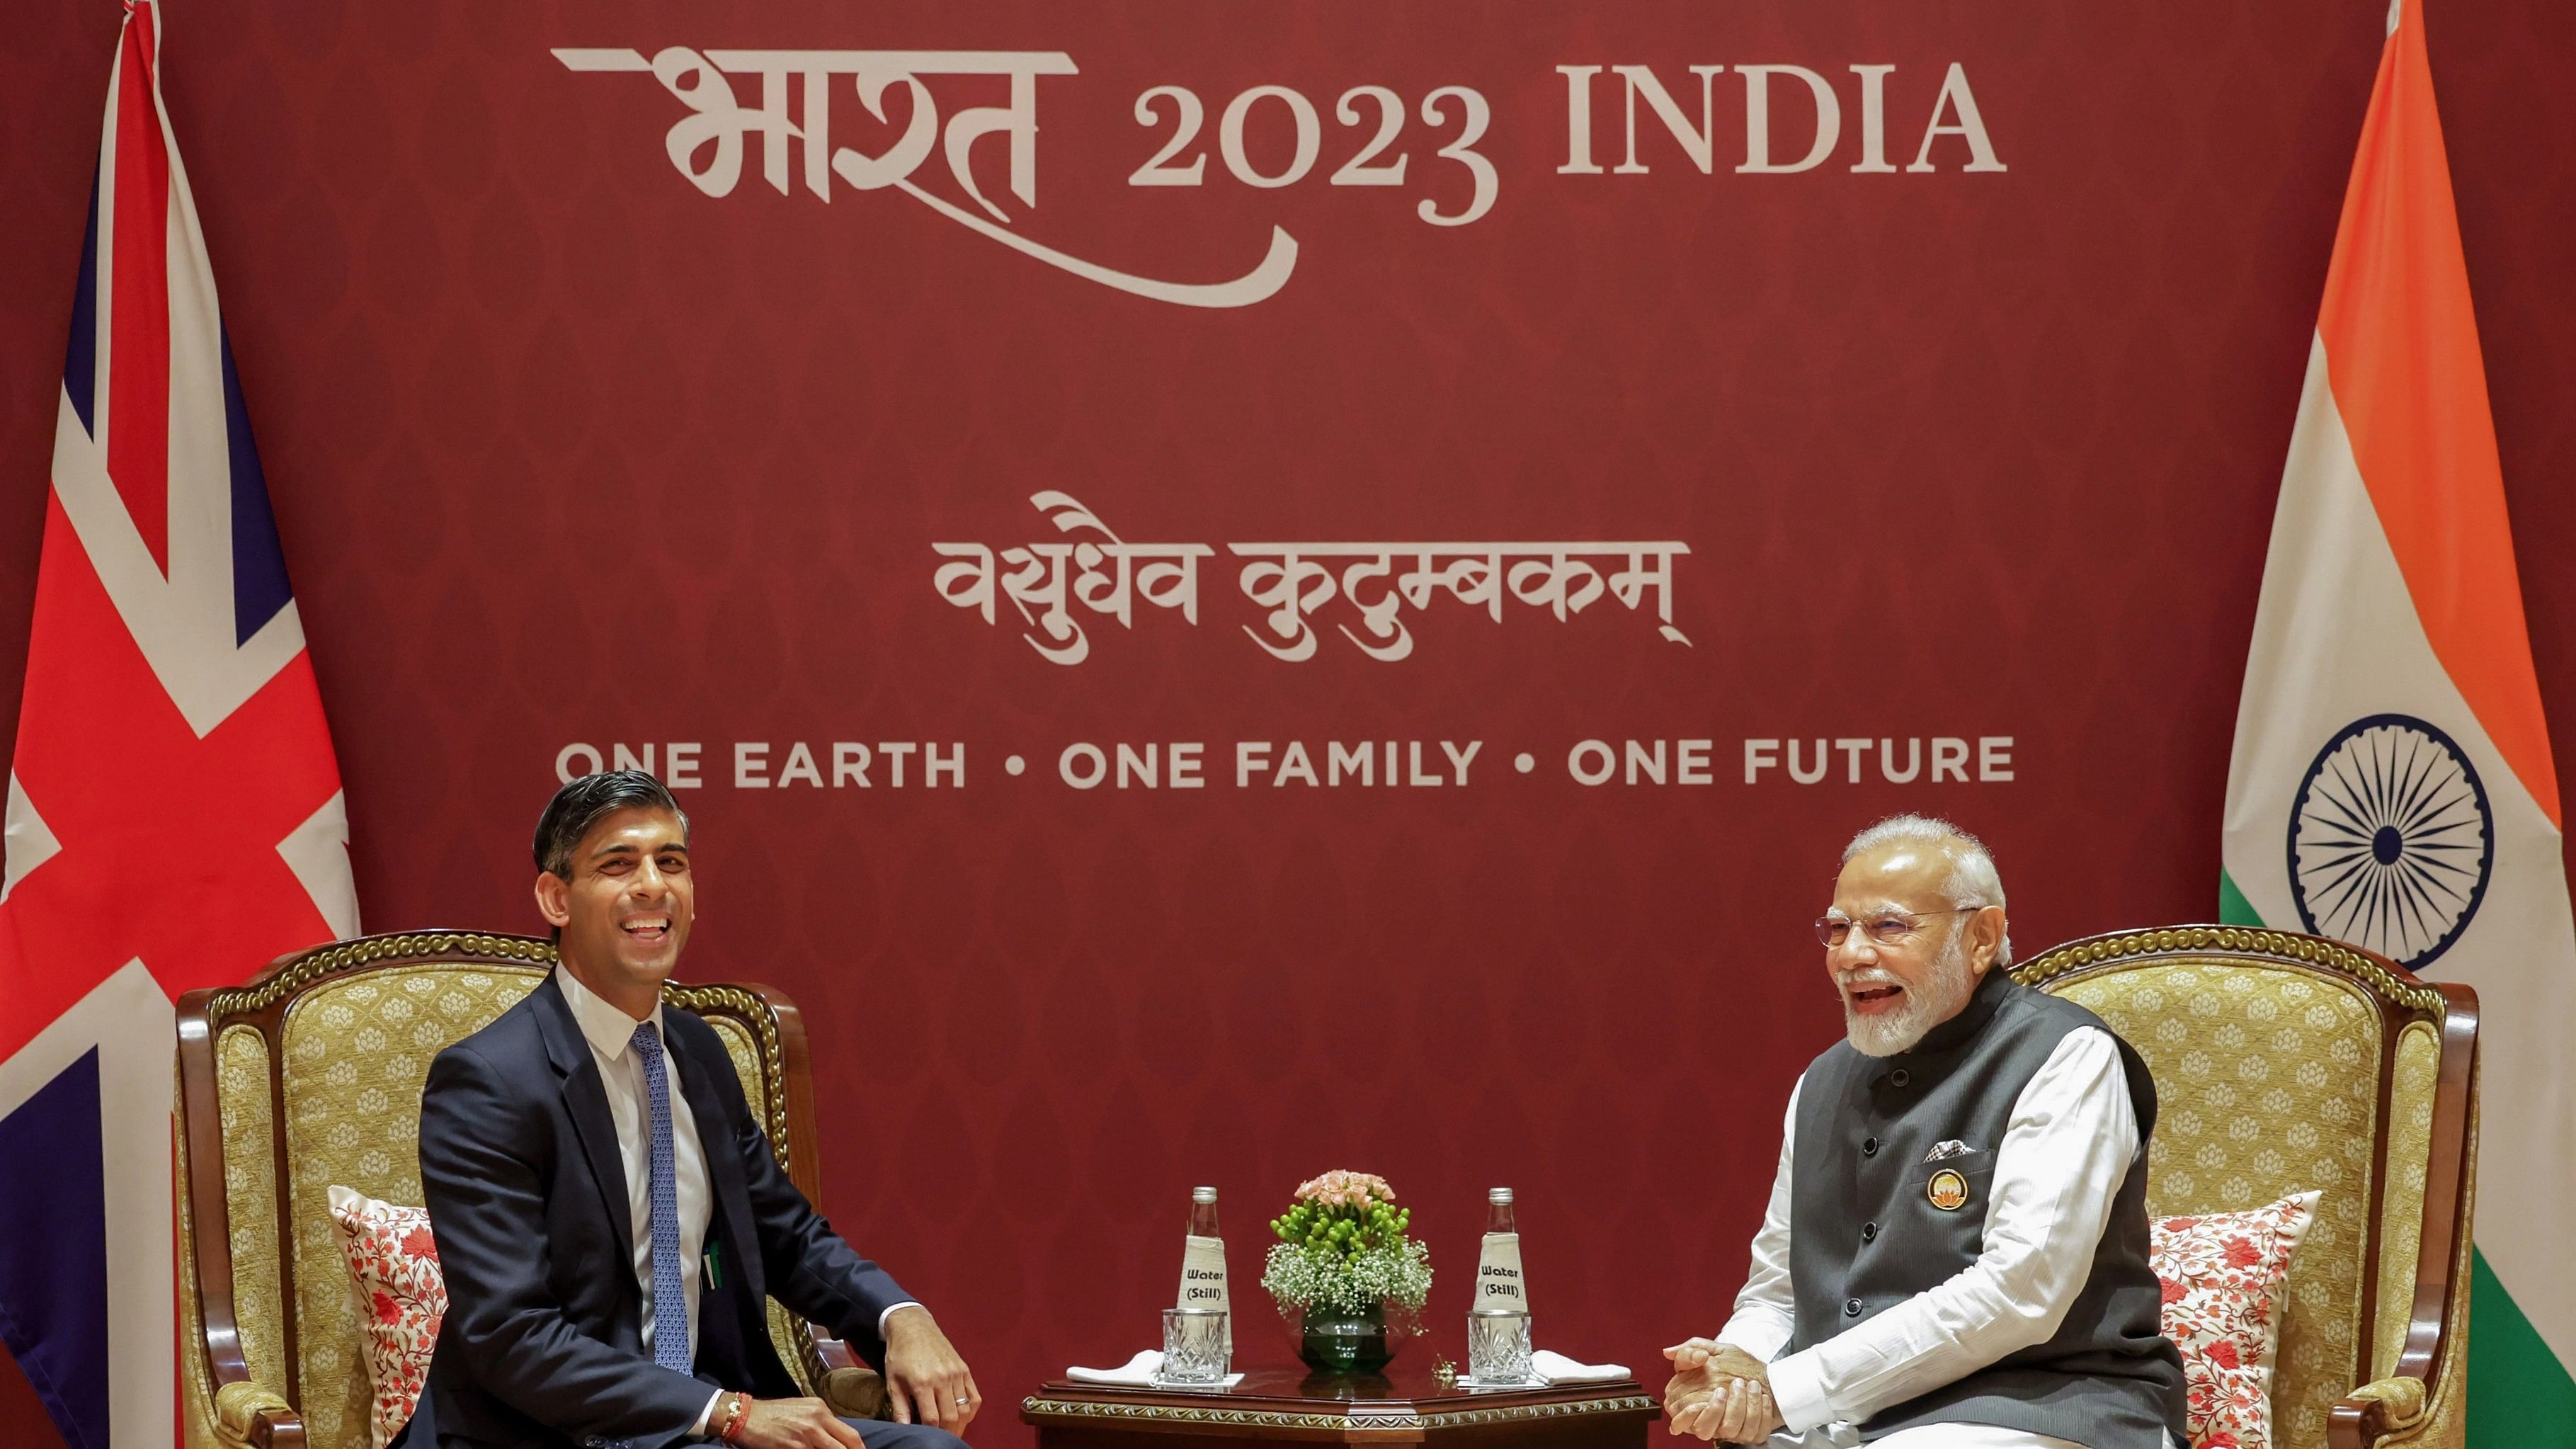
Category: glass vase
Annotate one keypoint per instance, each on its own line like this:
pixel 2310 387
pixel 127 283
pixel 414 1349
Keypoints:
pixel 1334 1341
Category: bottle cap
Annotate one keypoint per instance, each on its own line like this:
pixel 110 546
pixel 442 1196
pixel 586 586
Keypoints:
pixel 1499 1195
pixel 1202 1194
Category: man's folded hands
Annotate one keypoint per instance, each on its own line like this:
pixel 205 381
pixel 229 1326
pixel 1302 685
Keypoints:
pixel 1718 1392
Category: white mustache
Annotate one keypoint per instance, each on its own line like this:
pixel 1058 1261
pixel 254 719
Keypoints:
pixel 1867 976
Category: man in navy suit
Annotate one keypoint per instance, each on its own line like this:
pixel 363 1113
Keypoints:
pixel 607 1210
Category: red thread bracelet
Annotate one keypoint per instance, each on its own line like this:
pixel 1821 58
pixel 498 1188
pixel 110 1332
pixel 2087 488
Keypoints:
pixel 732 1429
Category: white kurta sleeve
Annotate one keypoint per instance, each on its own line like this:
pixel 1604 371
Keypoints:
pixel 1765 1312
pixel 2064 1153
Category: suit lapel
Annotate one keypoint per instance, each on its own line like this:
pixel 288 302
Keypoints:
pixel 716 1144
pixel 586 1100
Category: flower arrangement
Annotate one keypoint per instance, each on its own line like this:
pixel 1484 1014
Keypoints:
pixel 1343 1250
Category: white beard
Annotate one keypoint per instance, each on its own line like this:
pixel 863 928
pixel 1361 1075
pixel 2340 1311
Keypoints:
pixel 1944 989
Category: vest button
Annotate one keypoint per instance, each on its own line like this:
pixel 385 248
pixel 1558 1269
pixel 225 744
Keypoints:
pixel 1900 1077
pixel 1868 1232
pixel 1869 1147
pixel 1851 1308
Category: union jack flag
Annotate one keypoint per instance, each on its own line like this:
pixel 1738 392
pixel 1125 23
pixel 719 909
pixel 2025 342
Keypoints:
pixel 174 814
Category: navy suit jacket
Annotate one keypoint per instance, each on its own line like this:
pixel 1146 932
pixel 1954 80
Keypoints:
pixel 542 1344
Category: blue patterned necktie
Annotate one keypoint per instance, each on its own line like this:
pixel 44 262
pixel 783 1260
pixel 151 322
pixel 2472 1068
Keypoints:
pixel 670 1301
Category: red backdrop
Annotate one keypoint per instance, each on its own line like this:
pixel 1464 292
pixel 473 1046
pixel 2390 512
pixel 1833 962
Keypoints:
pixel 564 450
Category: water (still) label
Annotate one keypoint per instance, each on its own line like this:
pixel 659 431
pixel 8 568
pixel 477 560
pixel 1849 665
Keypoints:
pixel 1203 1281
pixel 1498 1274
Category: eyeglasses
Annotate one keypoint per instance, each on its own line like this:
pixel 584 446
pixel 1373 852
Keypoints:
pixel 1884 929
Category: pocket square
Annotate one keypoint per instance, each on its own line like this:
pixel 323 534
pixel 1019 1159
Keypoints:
pixel 1952 1148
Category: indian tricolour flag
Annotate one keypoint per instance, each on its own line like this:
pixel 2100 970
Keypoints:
pixel 2392 783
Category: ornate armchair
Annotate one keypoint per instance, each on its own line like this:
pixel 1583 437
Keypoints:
pixel 311 1075
pixel 2284 1063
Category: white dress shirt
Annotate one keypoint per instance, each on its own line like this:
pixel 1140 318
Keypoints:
pixel 610 1032
pixel 2064 1153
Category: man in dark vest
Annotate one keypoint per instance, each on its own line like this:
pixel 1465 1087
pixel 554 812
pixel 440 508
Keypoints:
pixel 608 1211
pixel 1955 1255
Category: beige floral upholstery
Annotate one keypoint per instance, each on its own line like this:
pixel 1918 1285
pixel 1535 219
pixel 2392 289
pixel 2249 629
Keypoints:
pixel 250 1191
pixel 326 1056
pixel 356 1053
pixel 2262 1093
pixel 2410 1141
pixel 2272 1076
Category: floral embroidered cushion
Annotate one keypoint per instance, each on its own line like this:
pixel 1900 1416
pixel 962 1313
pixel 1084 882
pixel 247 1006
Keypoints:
pixel 393 1263
pixel 2222 1275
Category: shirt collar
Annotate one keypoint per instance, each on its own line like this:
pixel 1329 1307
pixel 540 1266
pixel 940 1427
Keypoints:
pixel 609 1030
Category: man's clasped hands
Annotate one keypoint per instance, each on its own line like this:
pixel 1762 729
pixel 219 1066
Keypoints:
pixel 1719 1392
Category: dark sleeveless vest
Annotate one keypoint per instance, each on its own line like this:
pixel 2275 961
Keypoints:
pixel 1865 1233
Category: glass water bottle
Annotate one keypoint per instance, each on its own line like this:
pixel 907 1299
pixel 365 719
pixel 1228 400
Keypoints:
pixel 1198 1335
pixel 1498 1326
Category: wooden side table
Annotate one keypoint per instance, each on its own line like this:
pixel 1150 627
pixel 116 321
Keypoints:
pixel 1287 1405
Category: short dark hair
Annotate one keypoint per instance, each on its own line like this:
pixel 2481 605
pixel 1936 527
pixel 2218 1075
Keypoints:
pixel 584 802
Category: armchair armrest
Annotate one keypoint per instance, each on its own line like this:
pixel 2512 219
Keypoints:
pixel 221 1397
pixel 852 1389
pixel 2420 1401
pixel 254 1416
pixel 2378 1410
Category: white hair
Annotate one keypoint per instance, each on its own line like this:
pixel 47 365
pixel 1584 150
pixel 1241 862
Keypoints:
pixel 1972 883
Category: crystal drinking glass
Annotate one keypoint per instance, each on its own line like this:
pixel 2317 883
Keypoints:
pixel 1193 1347
pixel 1498 1347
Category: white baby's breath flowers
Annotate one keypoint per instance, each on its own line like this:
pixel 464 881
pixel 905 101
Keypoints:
pixel 1300 1277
